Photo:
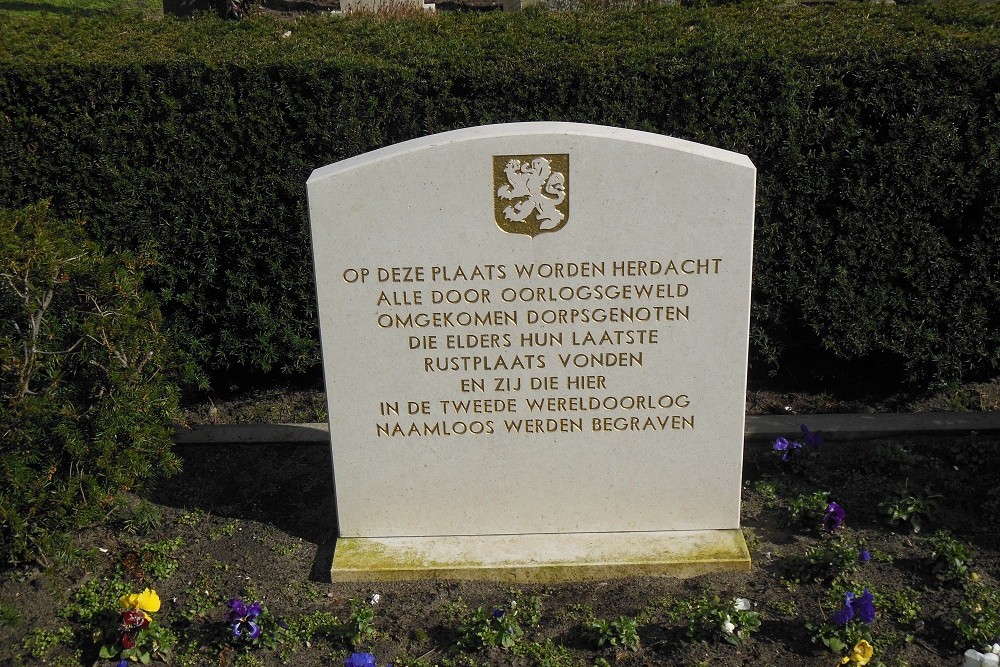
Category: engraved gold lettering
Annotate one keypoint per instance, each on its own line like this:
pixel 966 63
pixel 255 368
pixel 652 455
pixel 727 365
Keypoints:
pixel 623 315
pixel 532 426
pixel 401 274
pixel 608 403
pixel 479 406
pixel 439 428
pixel 485 363
pixel 471 385
pixel 560 270
pixel 460 296
pixel 657 423
pixel 447 274
pixel 605 359
pixel 541 339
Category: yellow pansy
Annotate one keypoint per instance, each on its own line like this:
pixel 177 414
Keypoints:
pixel 860 654
pixel 147 600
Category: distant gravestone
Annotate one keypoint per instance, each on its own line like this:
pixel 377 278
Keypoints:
pixel 535 347
pixel 377 6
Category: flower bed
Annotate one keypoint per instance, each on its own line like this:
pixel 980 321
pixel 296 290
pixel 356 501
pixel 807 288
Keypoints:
pixel 239 544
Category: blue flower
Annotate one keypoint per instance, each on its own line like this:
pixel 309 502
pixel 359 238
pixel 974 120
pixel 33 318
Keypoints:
pixel 788 448
pixel 864 556
pixel 360 660
pixel 812 438
pixel 833 517
pixel 122 663
pixel 863 607
pixel 242 618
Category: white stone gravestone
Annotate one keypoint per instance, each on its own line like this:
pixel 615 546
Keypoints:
pixel 377 6
pixel 535 348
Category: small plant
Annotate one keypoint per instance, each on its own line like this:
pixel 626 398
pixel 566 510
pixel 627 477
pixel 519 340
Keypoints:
pixel 153 561
pixel 849 624
pixel 912 508
pixel 623 632
pixel 894 456
pixel 95 597
pixel 198 599
pixel 498 628
pixel 301 630
pixel 808 509
pixel 40 641
pixel 192 518
pixel 547 653
pixel 360 625
pixel 712 619
pixel 835 559
pixel 9 616
pixel 767 488
pixel 904 605
pixel 977 617
pixel 139 637
pixel 950 559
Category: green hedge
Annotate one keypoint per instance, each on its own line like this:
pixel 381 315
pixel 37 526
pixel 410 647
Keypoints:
pixel 875 131
pixel 85 403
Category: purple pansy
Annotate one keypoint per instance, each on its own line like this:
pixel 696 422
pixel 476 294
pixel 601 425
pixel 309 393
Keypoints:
pixel 122 663
pixel 498 613
pixel 864 556
pixel 812 438
pixel 787 448
pixel 360 660
pixel 833 517
pixel 242 618
pixel 862 607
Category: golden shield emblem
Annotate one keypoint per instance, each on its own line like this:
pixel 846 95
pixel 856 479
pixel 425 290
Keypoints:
pixel 531 193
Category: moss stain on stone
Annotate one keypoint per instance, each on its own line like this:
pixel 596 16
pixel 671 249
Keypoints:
pixel 361 559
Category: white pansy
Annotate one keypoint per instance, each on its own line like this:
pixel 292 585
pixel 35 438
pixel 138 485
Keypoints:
pixel 374 598
pixel 974 658
pixel 728 626
pixel 741 604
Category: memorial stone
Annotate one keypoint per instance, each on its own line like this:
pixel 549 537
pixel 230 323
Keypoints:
pixel 535 349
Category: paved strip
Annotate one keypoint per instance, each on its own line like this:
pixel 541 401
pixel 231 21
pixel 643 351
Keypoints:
pixel 758 427
pixel 868 427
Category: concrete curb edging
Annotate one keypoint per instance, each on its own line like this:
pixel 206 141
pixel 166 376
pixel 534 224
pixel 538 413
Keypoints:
pixel 758 427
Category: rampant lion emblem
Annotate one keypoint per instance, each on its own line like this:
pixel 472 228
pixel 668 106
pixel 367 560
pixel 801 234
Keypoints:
pixel 538 190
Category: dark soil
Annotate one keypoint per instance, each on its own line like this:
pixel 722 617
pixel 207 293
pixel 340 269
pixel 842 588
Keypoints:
pixel 258 521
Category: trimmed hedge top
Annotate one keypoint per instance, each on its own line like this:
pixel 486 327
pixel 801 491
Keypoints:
pixel 827 31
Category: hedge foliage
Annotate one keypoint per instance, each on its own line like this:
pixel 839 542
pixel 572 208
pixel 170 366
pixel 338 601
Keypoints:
pixel 85 401
pixel 875 130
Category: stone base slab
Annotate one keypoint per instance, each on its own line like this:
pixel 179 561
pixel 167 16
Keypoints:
pixel 543 558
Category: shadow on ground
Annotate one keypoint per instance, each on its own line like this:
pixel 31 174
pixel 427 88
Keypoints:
pixel 287 486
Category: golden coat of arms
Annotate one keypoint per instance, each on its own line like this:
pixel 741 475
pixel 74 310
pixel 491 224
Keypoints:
pixel 531 193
